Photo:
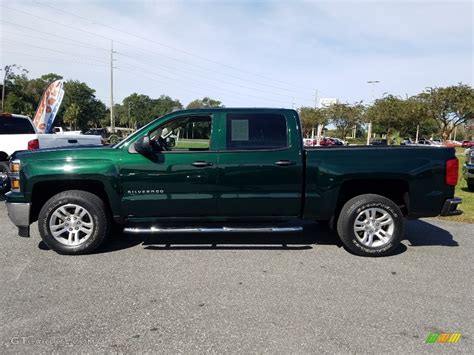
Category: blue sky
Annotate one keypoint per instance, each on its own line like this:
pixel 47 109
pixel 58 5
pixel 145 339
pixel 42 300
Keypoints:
pixel 244 53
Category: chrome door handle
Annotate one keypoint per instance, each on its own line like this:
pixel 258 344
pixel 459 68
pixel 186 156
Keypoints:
pixel 284 162
pixel 201 164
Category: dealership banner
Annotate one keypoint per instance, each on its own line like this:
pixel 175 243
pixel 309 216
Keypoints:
pixel 49 106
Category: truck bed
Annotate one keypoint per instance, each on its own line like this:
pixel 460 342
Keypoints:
pixel 334 172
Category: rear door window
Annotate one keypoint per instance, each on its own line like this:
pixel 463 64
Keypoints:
pixel 248 131
pixel 15 125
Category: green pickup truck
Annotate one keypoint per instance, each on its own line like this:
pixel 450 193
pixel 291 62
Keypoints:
pixel 228 170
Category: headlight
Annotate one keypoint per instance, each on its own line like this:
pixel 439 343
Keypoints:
pixel 15 175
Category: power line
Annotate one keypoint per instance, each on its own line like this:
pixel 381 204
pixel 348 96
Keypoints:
pixel 174 58
pixel 53 50
pixel 211 79
pixel 157 54
pixel 141 49
pixel 53 59
pixel 180 79
pixel 53 37
pixel 55 22
pixel 165 45
pixel 148 71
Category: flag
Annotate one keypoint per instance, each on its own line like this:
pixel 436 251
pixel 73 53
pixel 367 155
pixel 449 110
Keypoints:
pixel 48 107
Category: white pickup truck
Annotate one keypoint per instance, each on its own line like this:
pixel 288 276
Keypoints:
pixel 18 132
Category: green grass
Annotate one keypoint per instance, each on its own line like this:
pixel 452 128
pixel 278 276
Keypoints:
pixel 462 191
pixel 192 143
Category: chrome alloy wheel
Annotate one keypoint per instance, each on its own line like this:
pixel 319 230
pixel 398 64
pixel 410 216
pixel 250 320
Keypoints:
pixel 374 227
pixel 3 180
pixel 71 224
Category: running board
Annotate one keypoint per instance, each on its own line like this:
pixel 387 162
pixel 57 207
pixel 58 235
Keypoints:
pixel 214 230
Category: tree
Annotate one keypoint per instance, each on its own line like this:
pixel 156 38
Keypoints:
pixel 163 105
pixel 450 107
pixel 8 75
pixel 91 110
pixel 71 115
pixel 137 109
pixel 345 116
pixel 205 102
pixel 386 114
pixel 140 108
pixel 310 118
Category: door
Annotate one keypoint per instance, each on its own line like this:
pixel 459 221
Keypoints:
pixel 180 179
pixel 260 164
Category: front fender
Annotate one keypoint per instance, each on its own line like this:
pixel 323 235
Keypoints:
pixel 103 171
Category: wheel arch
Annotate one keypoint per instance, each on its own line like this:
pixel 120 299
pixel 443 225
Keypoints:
pixel 44 190
pixel 397 190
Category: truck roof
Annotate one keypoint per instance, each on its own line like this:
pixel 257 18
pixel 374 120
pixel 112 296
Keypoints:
pixel 217 109
pixel 7 114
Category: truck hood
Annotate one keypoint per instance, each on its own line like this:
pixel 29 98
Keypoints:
pixel 67 153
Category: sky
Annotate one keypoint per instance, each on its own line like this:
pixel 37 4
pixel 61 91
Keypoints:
pixel 244 53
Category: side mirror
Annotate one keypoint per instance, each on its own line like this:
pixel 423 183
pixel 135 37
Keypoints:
pixel 143 146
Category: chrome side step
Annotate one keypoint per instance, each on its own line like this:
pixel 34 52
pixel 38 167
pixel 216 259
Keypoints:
pixel 214 230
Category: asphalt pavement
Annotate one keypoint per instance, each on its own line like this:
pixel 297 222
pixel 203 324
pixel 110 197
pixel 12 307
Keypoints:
pixel 238 293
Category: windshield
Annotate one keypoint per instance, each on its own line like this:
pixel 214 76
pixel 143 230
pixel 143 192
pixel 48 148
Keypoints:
pixel 133 135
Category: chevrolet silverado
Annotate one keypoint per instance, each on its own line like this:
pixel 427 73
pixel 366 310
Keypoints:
pixel 229 170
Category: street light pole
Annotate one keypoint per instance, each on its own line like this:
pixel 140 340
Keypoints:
pixel 369 129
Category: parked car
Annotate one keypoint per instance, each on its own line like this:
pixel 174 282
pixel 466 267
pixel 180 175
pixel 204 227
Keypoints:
pixel 325 141
pixel 18 132
pixel 433 143
pixel 338 141
pixel 378 142
pixel 60 130
pixel 424 141
pixel 452 143
pixel 250 175
pixel 97 132
pixel 468 169
pixel 467 144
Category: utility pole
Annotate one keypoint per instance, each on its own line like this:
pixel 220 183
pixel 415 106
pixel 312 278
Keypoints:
pixel 6 69
pixel 369 129
pixel 112 118
pixel 320 126
pixel 3 91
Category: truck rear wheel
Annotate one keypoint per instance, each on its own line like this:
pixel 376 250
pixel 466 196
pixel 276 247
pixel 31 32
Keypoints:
pixel 74 222
pixel 371 225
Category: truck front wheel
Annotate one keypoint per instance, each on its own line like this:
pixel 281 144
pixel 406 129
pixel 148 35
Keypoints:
pixel 4 171
pixel 74 222
pixel 371 225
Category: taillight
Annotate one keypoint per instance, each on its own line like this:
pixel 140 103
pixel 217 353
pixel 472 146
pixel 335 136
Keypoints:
pixel 33 144
pixel 452 171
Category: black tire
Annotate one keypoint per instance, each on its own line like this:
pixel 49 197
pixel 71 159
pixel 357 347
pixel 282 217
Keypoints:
pixel 354 241
pixel 4 184
pixel 470 186
pixel 99 218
